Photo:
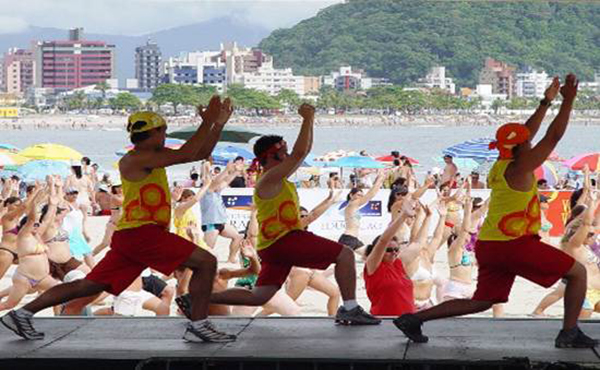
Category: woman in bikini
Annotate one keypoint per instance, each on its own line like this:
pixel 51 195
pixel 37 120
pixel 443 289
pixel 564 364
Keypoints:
pixel 116 202
pixel 356 200
pixel 33 272
pixel 14 208
pixel 63 266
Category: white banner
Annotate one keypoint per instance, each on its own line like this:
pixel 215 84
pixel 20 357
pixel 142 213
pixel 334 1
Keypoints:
pixel 374 220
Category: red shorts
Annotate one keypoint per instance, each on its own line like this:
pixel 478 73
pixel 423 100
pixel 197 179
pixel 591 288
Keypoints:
pixel 501 261
pixel 297 248
pixel 133 250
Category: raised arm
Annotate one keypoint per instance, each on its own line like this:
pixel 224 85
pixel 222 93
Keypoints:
pixel 37 197
pixel 376 256
pixel 532 159
pixel 420 191
pixel 438 234
pixel 321 208
pixel 534 122
pixel 302 148
pixel 223 115
pixel 581 234
pixel 183 207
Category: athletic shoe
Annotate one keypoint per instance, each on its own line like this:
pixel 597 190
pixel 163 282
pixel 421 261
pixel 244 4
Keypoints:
pixel 21 325
pixel 184 303
pixel 355 316
pixel 411 327
pixel 206 332
pixel 574 338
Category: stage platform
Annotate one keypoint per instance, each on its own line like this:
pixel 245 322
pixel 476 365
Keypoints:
pixel 293 343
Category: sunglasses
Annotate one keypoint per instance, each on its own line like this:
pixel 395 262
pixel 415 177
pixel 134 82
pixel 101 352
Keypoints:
pixel 392 250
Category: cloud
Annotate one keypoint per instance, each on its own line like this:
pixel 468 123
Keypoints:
pixel 136 17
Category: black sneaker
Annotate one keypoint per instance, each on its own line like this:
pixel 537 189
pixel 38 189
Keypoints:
pixel 574 338
pixel 355 316
pixel 206 332
pixel 21 325
pixel 184 302
pixel 411 327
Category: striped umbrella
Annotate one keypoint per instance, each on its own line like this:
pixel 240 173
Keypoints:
pixel 548 172
pixel 476 149
pixel 578 162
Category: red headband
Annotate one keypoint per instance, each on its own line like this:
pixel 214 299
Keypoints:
pixel 507 137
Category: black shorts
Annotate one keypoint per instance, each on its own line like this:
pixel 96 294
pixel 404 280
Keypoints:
pixel 154 285
pixel 350 241
pixel 211 227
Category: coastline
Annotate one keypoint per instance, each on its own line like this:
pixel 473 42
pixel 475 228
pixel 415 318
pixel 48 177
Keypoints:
pixel 114 122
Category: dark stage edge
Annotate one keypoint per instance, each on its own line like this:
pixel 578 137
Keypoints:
pixel 293 343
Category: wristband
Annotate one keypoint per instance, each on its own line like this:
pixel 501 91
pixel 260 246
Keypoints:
pixel 546 102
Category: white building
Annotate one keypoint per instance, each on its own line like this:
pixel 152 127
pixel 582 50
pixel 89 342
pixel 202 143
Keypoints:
pixel 485 92
pixel 272 80
pixel 436 78
pixel 348 79
pixel 531 83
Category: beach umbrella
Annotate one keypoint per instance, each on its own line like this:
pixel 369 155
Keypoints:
pixel 224 154
pixel 11 159
pixel 229 134
pixel 390 159
pixel 476 149
pixel 356 162
pixel 548 172
pixel 312 161
pixel 468 164
pixel 39 169
pixel 578 162
pixel 51 152
pixel 169 143
pixel 10 148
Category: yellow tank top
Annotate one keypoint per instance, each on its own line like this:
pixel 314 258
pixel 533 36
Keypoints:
pixel 277 216
pixel 512 214
pixel 181 223
pixel 146 202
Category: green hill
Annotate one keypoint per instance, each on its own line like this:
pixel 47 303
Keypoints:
pixel 402 39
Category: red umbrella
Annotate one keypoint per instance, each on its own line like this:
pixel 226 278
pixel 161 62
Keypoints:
pixel 578 162
pixel 390 158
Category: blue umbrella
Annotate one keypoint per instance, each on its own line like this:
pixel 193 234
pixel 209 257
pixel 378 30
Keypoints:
pixel 310 161
pixel 476 149
pixel 38 170
pixel 356 162
pixel 9 147
pixel 224 154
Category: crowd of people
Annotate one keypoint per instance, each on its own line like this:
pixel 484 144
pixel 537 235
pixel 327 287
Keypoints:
pixel 154 237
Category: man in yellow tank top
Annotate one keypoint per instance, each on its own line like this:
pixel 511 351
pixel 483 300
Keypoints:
pixel 282 242
pixel 142 238
pixel 509 245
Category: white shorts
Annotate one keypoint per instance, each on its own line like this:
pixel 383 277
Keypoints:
pixel 130 303
pixel 73 275
pixel 457 290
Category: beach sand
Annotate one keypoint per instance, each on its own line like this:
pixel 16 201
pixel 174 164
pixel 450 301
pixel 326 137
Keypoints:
pixel 524 297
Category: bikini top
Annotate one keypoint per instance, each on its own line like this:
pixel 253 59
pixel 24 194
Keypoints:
pixel 14 231
pixel 422 274
pixel 61 236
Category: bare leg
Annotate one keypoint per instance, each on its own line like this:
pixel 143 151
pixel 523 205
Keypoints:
pixel 210 237
pixel 234 246
pixel 183 281
pixel 297 283
pixel 282 304
pixel 18 290
pixel 89 260
pixel 204 267
pixel 345 274
pixel 6 259
pixel 498 310
pixel 244 297
pixel 452 308
pixel 321 284
pixel 551 298
pixel 574 294
pixel 63 293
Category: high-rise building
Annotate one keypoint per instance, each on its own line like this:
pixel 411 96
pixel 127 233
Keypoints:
pixel 500 75
pixel 531 83
pixel 148 62
pixel 348 78
pixel 74 63
pixel 18 71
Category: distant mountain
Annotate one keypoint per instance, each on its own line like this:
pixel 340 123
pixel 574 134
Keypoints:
pixel 200 36
pixel 402 39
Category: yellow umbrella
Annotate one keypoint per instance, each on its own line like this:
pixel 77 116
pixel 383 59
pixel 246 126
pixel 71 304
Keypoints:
pixel 51 151
pixel 11 159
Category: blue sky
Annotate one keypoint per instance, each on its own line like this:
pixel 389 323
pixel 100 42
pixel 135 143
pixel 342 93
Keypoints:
pixel 137 17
